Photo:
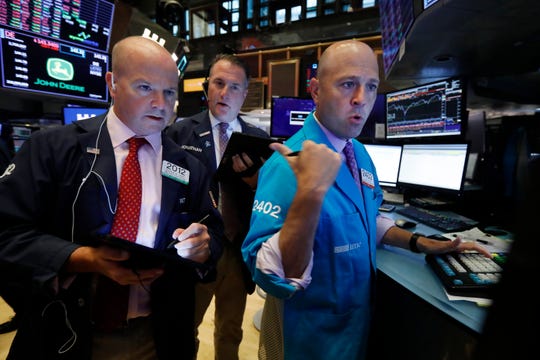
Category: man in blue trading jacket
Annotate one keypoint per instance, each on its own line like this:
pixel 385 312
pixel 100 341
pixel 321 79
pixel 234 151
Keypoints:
pixel 227 86
pixel 314 229
pixel 61 194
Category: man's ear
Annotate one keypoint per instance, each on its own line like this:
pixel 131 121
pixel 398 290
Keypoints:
pixel 314 88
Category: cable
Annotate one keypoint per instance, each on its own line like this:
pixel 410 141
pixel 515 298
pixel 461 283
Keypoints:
pixel 91 171
pixel 140 280
pixel 73 338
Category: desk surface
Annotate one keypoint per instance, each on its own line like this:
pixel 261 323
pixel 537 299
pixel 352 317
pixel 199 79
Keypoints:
pixel 411 271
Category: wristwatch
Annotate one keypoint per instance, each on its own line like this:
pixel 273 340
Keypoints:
pixel 412 243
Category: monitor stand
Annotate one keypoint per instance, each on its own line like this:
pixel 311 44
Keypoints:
pixel 393 197
pixel 429 199
pixel 429 202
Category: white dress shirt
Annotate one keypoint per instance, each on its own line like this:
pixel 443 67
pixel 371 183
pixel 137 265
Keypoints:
pixel 150 158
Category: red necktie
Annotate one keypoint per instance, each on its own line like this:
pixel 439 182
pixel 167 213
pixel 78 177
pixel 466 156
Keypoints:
pixel 348 151
pixel 126 219
pixel 111 301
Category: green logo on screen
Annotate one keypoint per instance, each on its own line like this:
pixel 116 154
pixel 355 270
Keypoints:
pixel 60 69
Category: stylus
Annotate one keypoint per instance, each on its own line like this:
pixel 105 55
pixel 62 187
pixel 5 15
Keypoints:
pixel 174 242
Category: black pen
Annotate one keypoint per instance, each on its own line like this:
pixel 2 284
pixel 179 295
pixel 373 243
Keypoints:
pixel 203 219
pixel 174 242
pixel 481 241
pixel 294 153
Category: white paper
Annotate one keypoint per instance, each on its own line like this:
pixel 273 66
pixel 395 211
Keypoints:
pixel 490 242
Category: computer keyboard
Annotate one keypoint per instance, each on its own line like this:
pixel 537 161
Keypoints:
pixel 468 274
pixel 437 220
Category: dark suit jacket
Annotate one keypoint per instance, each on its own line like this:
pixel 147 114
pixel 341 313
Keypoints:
pixel 45 199
pixel 194 134
pixel 5 156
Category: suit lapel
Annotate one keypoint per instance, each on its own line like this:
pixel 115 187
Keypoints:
pixel 203 134
pixel 105 165
pixel 169 189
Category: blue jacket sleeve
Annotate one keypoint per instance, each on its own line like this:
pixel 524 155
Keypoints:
pixel 275 191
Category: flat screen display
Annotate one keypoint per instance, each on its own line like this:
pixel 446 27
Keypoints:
pixel 75 113
pixel 396 17
pixel 434 109
pixel 49 67
pixel 56 48
pixel 288 115
pixel 386 159
pixel 83 23
pixel 433 166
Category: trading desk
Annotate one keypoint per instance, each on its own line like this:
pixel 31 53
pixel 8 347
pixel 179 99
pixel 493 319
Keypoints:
pixel 413 317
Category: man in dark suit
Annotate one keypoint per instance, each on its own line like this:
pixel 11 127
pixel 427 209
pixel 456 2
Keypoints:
pixel 227 86
pixel 61 196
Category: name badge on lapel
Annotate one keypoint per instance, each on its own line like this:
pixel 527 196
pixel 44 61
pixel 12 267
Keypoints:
pixel 175 172
pixel 367 178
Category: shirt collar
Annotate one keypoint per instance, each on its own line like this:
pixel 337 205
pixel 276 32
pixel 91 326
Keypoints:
pixel 120 133
pixel 234 125
pixel 337 143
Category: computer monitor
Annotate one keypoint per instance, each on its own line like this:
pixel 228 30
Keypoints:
pixel 57 49
pixel 396 17
pixel 386 159
pixel 430 110
pixel 288 115
pixel 75 113
pixel 434 167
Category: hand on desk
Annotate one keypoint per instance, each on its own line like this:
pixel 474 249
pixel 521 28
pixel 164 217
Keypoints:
pixel 396 236
pixel 431 246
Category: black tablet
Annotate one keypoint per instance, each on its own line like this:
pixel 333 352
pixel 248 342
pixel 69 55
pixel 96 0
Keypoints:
pixel 143 257
pixel 255 147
